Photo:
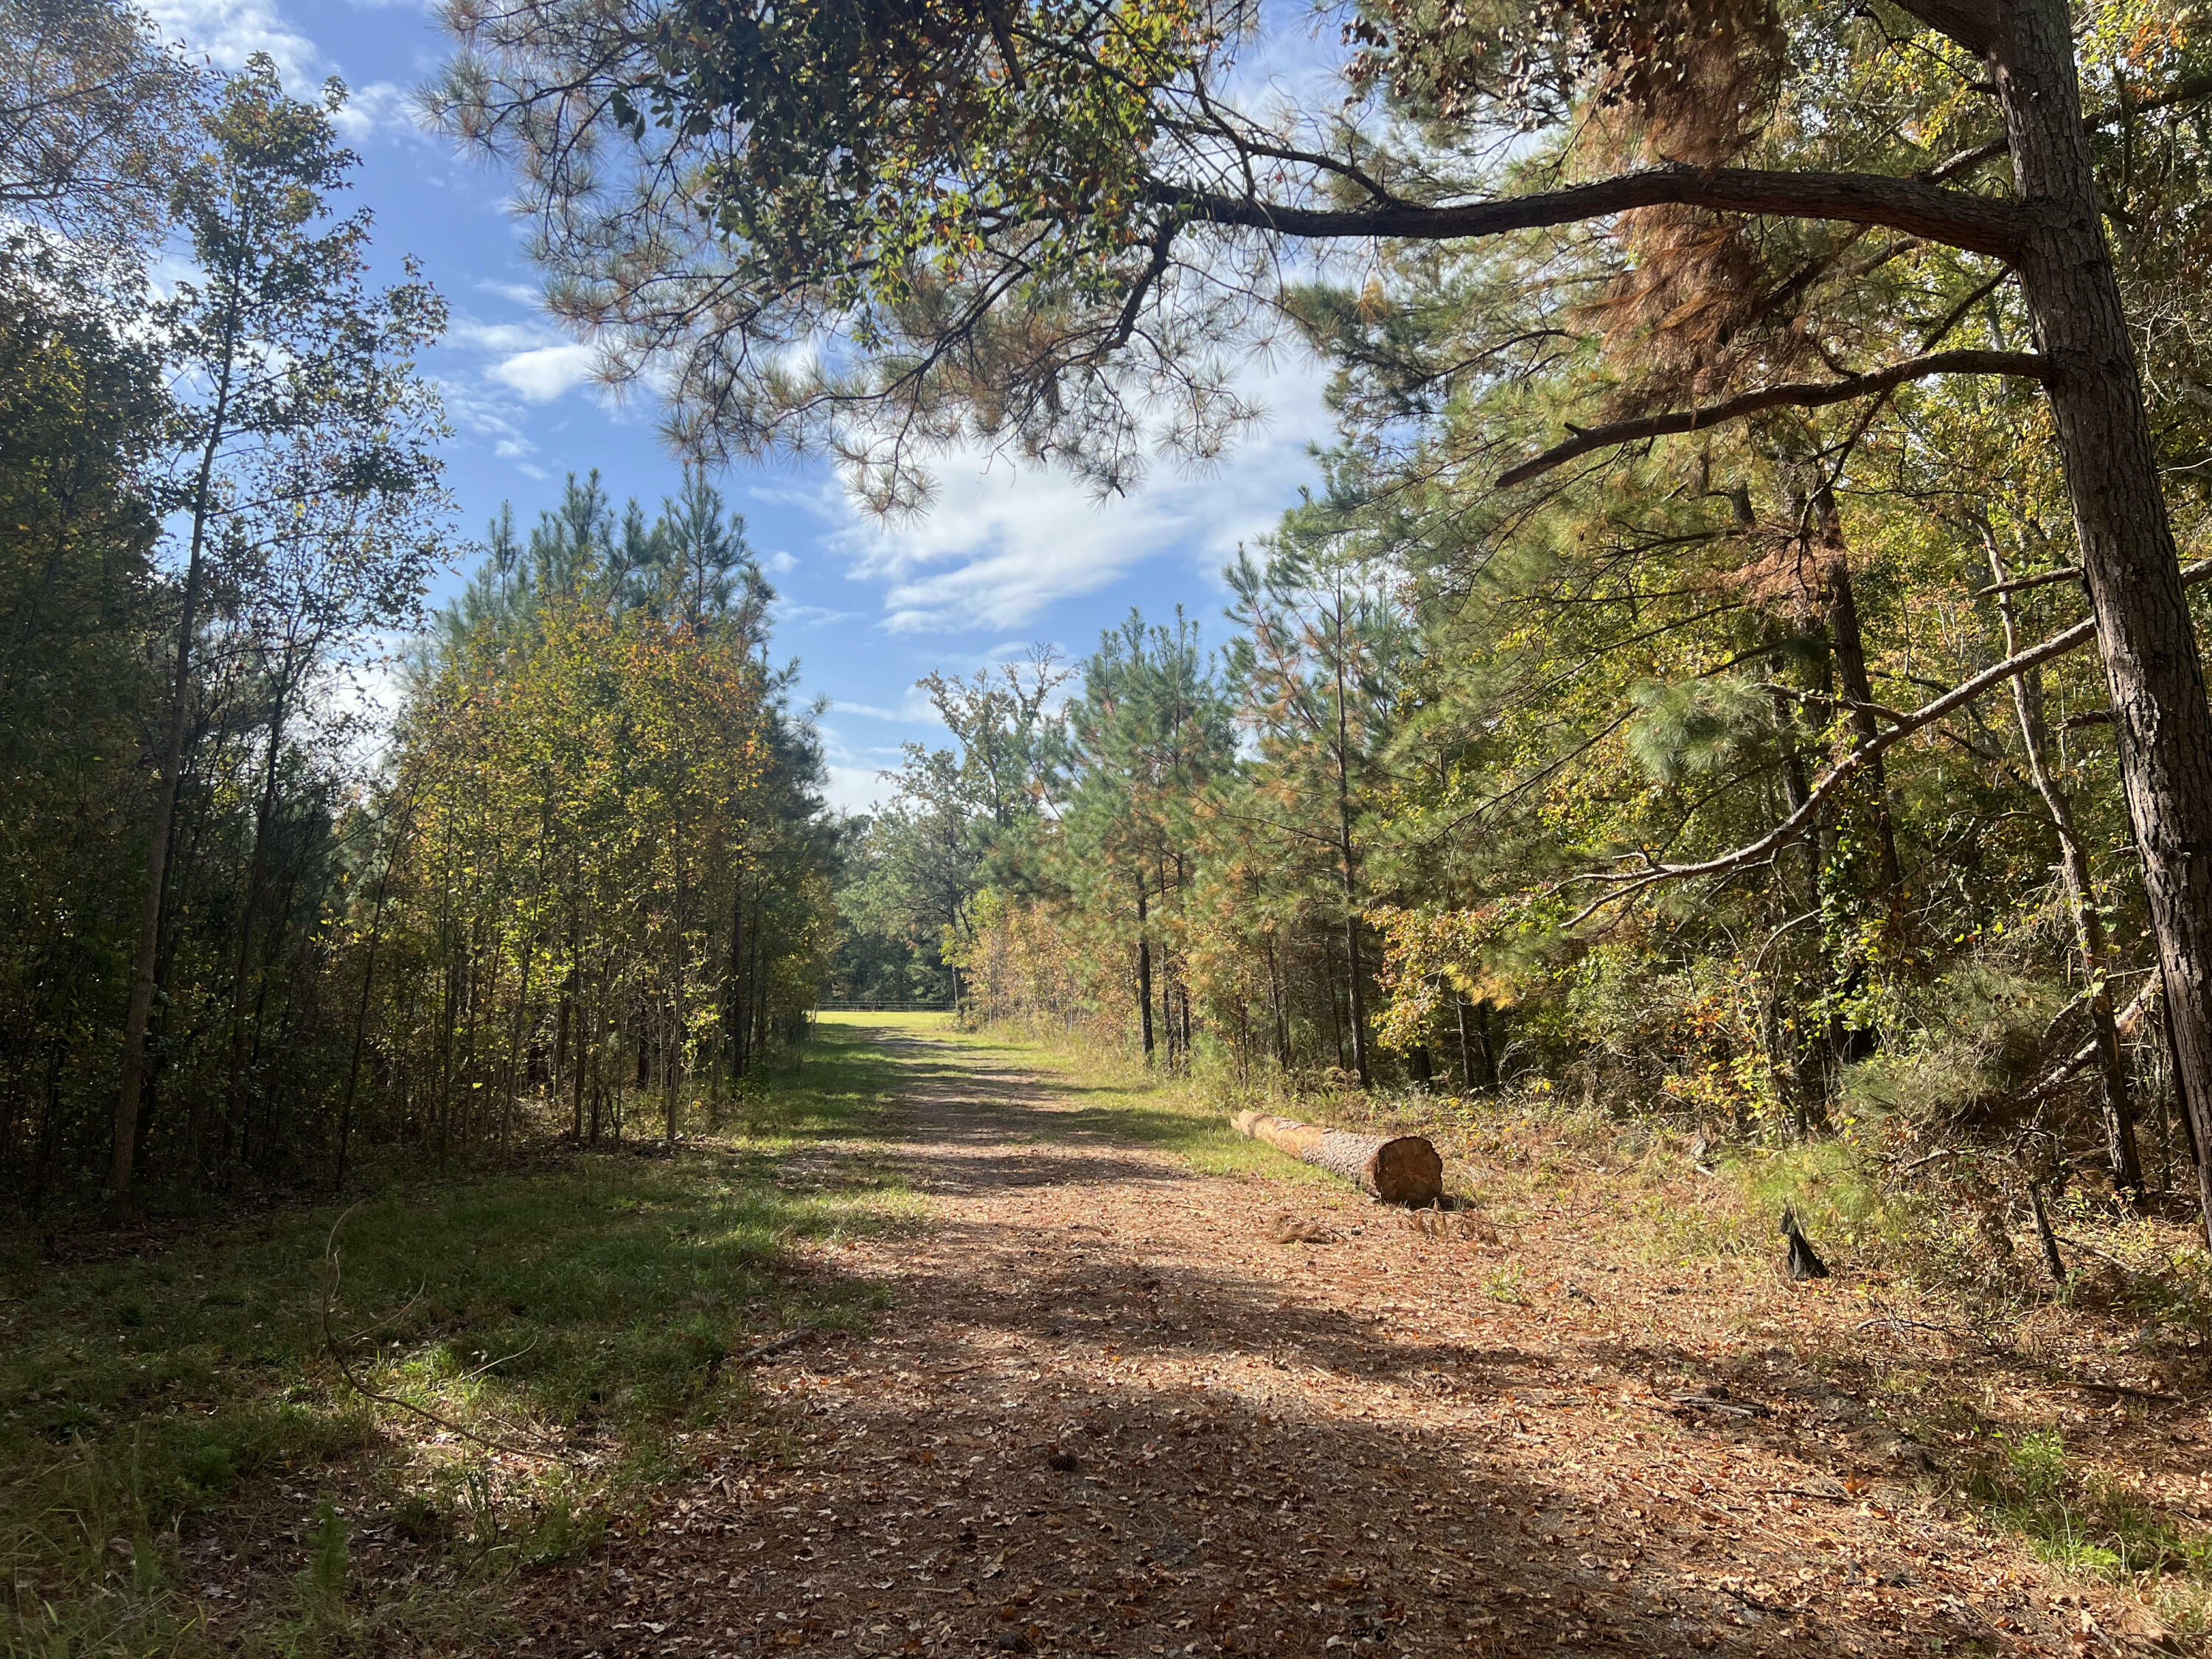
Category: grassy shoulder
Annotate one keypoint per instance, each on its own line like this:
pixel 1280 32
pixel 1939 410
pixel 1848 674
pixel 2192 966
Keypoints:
pixel 182 1463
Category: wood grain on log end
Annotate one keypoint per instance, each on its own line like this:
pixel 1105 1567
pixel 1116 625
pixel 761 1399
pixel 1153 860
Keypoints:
pixel 1405 1169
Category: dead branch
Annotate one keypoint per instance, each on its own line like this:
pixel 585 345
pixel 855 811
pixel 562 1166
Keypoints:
pixel 2125 1392
pixel 2019 584
pixel 2053 1263
pixel 2124 1022
pixel 790 1339
pixel 1975 223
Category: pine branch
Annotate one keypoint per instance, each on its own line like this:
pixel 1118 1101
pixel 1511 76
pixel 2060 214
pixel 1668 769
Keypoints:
pixel 1626 884
pixel 1806 394
pixel 1975 223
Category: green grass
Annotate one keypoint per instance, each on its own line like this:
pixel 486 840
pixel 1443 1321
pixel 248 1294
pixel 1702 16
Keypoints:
pixel 1095 1095
pixel 908 1022
pixel 152 1403
pixel 2028 1484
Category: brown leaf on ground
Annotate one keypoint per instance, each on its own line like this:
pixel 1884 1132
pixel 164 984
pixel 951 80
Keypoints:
pixel 1234 1449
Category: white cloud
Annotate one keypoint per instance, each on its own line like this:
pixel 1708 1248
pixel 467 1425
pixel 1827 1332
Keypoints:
pixel 228 32
pixel 470 334
pixel 489 414
pixel 854 788
pixel 379 110
pixel 788 614
pixel 231 31
pixel 521 292
pixel 855 780
pixel 544 374
pixel 915 709
pixel 481 413
pixel 1002 542
pixel 781 563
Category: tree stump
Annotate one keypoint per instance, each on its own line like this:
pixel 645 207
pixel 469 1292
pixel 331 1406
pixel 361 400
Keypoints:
pixel 1396 1169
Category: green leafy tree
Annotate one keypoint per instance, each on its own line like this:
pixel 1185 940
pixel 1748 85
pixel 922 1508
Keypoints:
pixel 299 383
pixel 97 112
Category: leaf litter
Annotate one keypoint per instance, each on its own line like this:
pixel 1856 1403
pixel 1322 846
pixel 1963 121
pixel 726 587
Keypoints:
pixel 1122 1408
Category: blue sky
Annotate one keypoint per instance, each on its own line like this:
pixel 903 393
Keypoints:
pixel 1007 556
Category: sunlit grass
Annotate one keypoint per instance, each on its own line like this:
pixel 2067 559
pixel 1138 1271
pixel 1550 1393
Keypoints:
pixel 587 1309
pixel 1106 1095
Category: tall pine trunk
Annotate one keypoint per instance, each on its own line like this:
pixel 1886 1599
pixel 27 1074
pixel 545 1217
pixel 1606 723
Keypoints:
pixel 1144 974
pixel 2152 668
pixel 2089 938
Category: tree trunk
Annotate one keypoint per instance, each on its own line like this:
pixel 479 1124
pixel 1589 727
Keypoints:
pixel 578 1047
pixel 1335 1013
pixel 679 1012
pixel 733 998
pixel 2090 942
pixel 1396 1169
pixel 1857 687
pixel 514 1043
pixel 2152 667
pixel 1143 975
pixel 1357 998
pixel 1277 1012
pixel 170 772
pixel 256 865
pixel 361 1014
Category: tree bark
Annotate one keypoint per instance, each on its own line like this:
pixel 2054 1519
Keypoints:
pixel 2152 667
pixel 256 867
pixel 2090 942
pixel 1143 975
pixel 1356 999
pixel 361 1013
pixel 1850 647
pixel 1478 1051
pixel 679 1012
pixel 1396 1169
pixel 1277 1012
pixel 170 774
pixel 1813 394
pixel 1954 216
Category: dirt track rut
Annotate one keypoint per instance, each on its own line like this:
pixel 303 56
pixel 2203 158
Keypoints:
pixel 1110 1414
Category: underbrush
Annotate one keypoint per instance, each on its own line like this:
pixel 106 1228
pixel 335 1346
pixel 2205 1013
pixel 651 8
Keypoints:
pixel 182 1461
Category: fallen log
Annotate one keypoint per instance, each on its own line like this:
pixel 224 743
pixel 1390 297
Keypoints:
pixel 1396 1169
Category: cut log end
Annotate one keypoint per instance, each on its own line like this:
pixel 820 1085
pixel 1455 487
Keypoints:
pixel 1405 1169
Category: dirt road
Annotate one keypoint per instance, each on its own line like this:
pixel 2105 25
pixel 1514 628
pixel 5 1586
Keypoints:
pixel 1110 1414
